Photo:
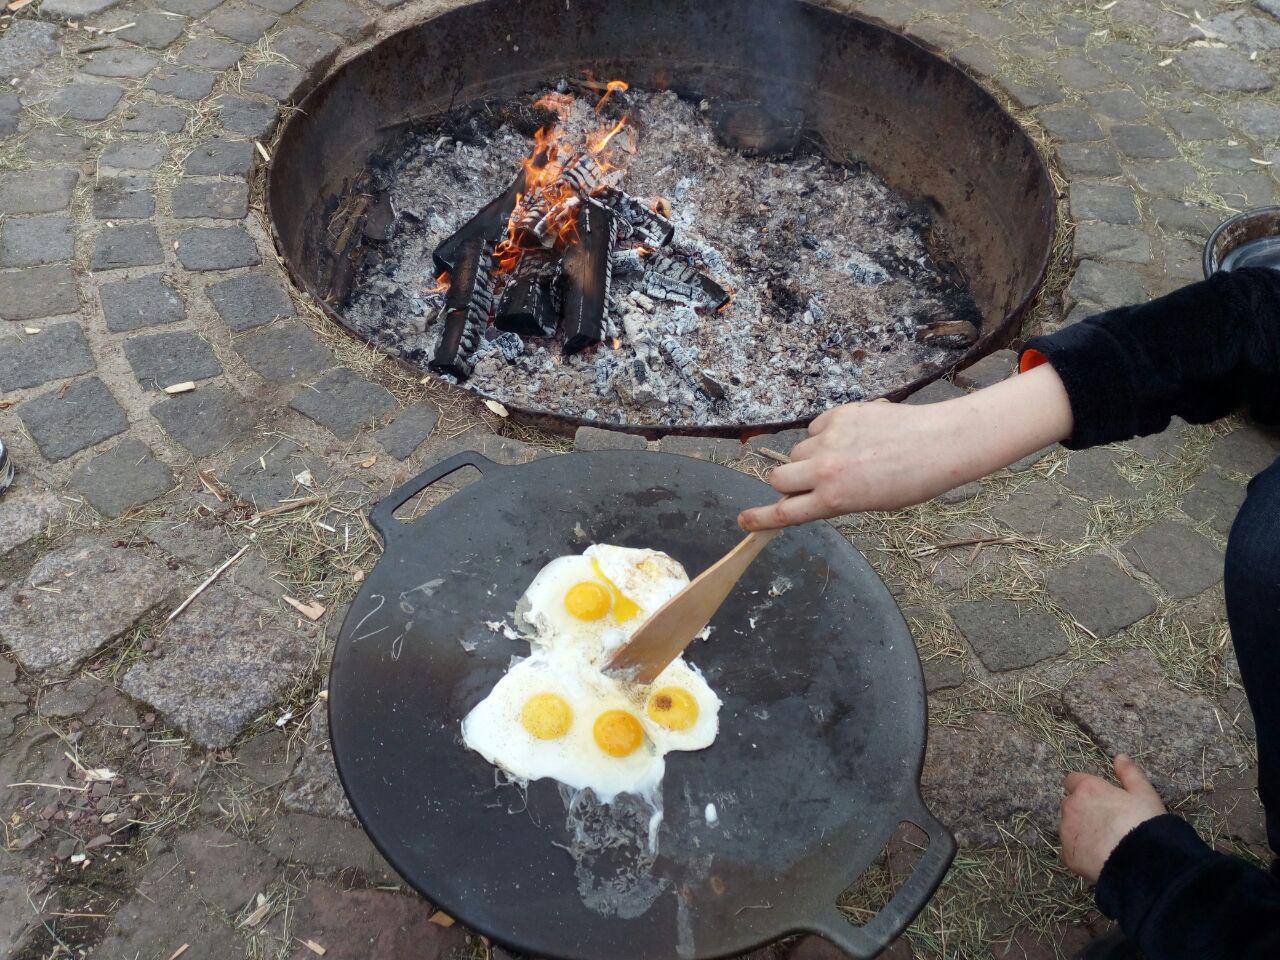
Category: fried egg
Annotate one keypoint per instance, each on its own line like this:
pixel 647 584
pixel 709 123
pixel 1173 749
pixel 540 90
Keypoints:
pixel 557 714
pixel 597 599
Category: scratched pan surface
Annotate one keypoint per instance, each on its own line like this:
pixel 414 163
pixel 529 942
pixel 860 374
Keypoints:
pixel 821 734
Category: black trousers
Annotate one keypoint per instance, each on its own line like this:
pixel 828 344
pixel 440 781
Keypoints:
pixel 1253 610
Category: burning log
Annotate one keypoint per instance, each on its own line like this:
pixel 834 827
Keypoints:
pixel 644 225
pixel 489 224
pixel 587 272
pixel 529 304
pixel 466 309
pixel 676 282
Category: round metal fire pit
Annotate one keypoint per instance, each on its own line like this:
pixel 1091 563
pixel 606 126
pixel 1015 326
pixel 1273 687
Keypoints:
pixel 872 95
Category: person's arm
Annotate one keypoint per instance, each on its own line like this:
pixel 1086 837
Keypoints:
pixel 881 456
pixel 1173 896
pixel 1198 353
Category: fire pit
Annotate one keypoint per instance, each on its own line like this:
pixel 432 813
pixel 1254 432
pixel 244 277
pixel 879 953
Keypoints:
pixel 781 208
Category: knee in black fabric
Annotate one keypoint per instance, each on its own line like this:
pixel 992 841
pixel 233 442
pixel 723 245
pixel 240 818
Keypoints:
pixel 1253 548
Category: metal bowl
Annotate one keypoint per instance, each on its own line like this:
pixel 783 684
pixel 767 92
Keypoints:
pixel 1245 228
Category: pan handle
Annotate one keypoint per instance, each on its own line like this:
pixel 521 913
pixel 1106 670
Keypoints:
pixel 867 941
pixel 383 515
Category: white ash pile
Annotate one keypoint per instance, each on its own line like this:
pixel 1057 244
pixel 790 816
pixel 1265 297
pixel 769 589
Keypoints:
pixel 642 267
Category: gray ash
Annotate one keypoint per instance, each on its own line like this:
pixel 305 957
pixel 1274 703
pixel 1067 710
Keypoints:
pixel 832 274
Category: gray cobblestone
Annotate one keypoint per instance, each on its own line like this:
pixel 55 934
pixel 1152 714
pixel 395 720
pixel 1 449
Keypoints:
pixel 338 17
pixel 1079 74
pixel 27 510
pixel 1143 142
pixel 1256 118
pixel 280 7
pixel 98 592
pixel 217 248
pixel 53 353
pixel 1184 216
pixel 183 83
pixel 238 21
pixel 134 304
pixel 66 421
pixel 1106 241
pixel 26 45
pixel 123 197
pixel 719 449
pixel 343 401
pixel 1196 122
pixel 1089 160
pixel 245 116
pixel 189 8
pixel 1093 475
pixel 126 476
pixel 1106 285
pixel 1009 636
pixel 266 473
pixel 38 292
pixel 593 438
pixel 285 352
pixel 85 101
pixel 1215 499
pixel 989 370
pixel 206 53
pixel 205 420
pixel 220 157
pixel 125 62
pixel 1226 157
pixel 144 117
pixel 1119 104
pixel 129 155
pixel 1247 451
pixel 213 199
pixel 277 80
pixel 1070 123
pixel 10 108
pixel 160 360
pixel 153 30
pixel 1164 177
pixel 1098 595
pixel 1041 512
pixel 135 245
pixel 54 144
pixel 31 241
pixel 1108 202
pixel 1178 558
pixel 1221 70
pixel 409 430
pixel 36 191
pixel 306 48
pixel 249 300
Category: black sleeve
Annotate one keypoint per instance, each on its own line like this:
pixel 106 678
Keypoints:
pixel 1198 353
pixel 1179 900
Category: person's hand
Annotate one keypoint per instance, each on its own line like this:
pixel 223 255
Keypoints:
pixel 1097 815
pixel 865 456
pixel 883 456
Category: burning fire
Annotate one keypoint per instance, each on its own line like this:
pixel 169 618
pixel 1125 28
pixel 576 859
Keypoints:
pixel 556 180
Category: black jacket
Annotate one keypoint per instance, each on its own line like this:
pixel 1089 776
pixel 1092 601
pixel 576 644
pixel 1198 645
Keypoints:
pixel 1198 353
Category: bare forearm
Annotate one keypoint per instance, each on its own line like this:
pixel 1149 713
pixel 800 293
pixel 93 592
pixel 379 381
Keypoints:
pixel 880 456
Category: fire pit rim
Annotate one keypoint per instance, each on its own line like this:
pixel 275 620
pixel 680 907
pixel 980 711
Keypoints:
pixel 999 335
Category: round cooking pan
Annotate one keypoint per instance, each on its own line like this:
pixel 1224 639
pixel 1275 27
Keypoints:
pixel 817 761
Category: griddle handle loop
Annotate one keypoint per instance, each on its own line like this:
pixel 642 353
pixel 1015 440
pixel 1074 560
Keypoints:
pixel 868 941
pixel 383 516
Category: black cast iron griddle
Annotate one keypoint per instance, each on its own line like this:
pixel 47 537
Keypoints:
pixel 821 737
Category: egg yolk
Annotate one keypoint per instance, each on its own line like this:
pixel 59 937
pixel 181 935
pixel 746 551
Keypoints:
pixel 587 600
pixel 617 733
pixel 672 707
pixel 546 716
pixel 624 608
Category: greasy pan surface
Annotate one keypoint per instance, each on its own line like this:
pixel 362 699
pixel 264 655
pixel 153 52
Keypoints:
pixel 821 734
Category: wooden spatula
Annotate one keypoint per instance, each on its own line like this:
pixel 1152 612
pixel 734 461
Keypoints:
pixel 673 626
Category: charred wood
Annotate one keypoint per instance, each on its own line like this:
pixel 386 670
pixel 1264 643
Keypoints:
pixel 587 272
pixel 530 303
pixel 642 224
pixel 489 224
pixel 676 282
pixel 685 363
pixel 466 309
pixel 948 333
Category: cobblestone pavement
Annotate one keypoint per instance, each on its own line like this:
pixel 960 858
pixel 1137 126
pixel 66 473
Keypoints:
pixel 1068 607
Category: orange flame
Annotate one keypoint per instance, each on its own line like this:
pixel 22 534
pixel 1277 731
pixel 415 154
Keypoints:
pixel 613 86
pixel 442 284
pixel 604 141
